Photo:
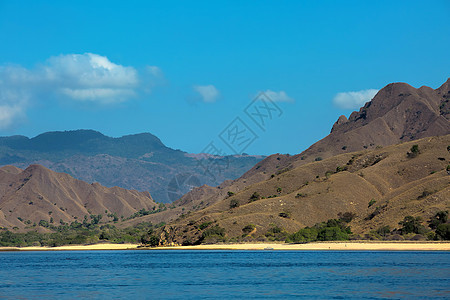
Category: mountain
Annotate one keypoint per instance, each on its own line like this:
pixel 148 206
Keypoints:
pixel 38 194
pixel 141 161
pixel 398 113
pixel 379 187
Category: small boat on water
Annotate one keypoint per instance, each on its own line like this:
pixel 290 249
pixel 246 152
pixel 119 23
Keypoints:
pixel 268 248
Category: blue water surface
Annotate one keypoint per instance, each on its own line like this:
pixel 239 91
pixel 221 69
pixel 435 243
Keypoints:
pixel 208 274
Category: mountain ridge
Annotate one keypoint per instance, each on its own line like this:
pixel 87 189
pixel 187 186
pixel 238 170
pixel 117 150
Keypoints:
pixel 136 161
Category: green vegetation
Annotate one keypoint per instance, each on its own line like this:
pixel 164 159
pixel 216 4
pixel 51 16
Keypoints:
pixel 229 193
pixel 285 214
pixel 412 225
pixel 204 225
pixel 248 229
pixel 144 212
pixel 77 234
pixel 254 197
pixel 276 233
pixel 414 151
pixel 213 235
pixel 372 202
pixel 332 230
pixel 439 218
pixel 234 203
pixel 318 158
pixel 443 231
pixel 340 169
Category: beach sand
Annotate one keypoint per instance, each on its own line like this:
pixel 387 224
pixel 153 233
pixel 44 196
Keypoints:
pixel 103 246
pixel 354 245
pixel 377 246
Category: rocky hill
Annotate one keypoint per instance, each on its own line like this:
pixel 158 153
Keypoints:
pixel 379 187
pixel 398 113
pixel 141 162
pixel 38 195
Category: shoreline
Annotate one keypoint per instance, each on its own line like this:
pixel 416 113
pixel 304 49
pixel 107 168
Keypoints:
pixel 321 246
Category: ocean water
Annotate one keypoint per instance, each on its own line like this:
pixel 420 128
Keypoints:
pixel 169 274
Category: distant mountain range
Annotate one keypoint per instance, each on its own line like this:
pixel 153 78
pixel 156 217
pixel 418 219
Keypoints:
pixel 141 161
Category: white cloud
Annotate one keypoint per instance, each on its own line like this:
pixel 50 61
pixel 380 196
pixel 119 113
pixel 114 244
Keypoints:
pixel 78 77
pixel 8 114
pixel 209 93
pixel 12 104
pixel 353 100
pixel 280 96
pixel 90 77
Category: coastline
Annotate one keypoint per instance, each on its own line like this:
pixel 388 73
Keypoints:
pixel 325 246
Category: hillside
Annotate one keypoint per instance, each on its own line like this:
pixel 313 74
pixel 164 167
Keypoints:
pixel 141 161
pixel 398 113
pixel 37 194
pixel 396 184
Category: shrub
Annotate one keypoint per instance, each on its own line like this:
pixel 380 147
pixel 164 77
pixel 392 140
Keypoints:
pixel 383 230
pixel 414 151
pixel 255 196
pixel 346 217
pixel 372 202
pixel 340 169
pixel 424 194
pixel 411 225
pixel 318 158
pixel 247 229
pixel 204 225
pixel 229 193
pixel 214 231
pixel 234 203
pixel 279 190
pixel 44 223
pixel 443 231
pixel 303 235
pixel 286 215
pixel 439 218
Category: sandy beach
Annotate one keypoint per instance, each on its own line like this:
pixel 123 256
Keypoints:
pixel 354 245
pixel 377 246
pixel 103 246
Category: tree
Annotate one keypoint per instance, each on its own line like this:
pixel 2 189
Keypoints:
pixel 234 203
pixel 304 235
pixel 255 196
pixel 411 225
pixel 439 218
pixel 384 230
pixel 414 151
pixel 443 231
pixel 332 234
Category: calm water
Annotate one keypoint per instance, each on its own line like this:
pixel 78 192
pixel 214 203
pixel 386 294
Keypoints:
pixel 225 274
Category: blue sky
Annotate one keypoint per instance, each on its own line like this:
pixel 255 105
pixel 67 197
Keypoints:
pixel 184 70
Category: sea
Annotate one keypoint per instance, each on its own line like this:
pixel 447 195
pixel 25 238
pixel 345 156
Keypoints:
pixel 184 274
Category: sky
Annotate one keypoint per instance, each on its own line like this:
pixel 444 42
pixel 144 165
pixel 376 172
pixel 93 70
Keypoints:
pixel 193 73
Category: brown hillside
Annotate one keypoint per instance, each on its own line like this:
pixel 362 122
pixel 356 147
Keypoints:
pixel 38 193
pixel 400 184
pixel 398 113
